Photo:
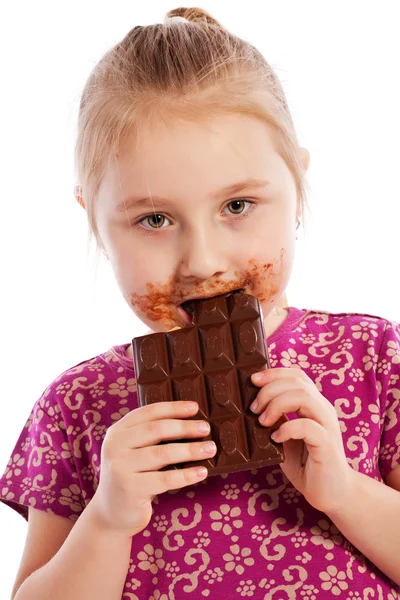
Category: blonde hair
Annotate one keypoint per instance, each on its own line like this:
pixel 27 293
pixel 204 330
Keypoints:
pixel 188 66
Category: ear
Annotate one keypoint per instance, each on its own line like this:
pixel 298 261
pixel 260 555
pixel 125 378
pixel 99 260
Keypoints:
pixel 78 195
pixel 305 159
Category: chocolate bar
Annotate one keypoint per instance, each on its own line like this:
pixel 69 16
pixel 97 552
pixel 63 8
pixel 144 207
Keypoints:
pixel 211 361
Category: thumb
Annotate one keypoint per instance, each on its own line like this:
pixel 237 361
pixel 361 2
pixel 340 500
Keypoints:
pixel 296 453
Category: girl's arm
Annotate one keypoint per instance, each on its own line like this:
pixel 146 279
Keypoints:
pixel 370 520
pixel 92 563
pixel 366 511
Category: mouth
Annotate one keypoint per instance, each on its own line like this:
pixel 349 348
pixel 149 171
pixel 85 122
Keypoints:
pixel 187 308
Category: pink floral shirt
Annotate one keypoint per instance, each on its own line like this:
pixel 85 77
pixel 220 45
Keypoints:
pixel 247 534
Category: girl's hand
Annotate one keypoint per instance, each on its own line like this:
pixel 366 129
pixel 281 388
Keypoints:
pixel 322 475
pixel 131 459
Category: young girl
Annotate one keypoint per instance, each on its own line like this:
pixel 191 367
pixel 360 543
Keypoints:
pixel 194 185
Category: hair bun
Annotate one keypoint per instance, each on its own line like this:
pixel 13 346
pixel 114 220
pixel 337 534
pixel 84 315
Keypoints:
pixel 197 15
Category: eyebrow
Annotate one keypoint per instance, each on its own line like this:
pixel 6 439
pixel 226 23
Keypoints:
pixel 229 190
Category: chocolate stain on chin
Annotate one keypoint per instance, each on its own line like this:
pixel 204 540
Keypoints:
pixel 160 303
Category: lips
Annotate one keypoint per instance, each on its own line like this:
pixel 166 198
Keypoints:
pixel 188 307
pixel 185 318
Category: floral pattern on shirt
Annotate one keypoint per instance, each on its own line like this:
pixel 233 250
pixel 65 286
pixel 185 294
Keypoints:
pixel 250 534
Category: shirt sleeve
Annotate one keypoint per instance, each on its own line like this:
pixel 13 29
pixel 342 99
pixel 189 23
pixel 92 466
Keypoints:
pixel 41 472
pixel 388 381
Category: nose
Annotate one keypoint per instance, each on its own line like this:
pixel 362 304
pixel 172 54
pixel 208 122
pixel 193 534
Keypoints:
pixel 204 254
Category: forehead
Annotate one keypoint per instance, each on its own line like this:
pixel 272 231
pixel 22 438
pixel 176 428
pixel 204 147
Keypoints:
pixel 183 156
pixel 196 142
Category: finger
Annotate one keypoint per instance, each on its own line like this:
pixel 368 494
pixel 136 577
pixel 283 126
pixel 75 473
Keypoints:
pixel 273 389
pixel 153 432
pixel 159 482
pixel 268 375
pixel 305 404
pixel 157 411
pixel 315 436
pixel 157 457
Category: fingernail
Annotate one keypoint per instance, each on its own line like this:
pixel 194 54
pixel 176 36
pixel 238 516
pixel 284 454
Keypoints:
pixel 201 472
pixel 254 405
pixel 256 377
pixel 203 427
pixel 208 447
pixel 275 436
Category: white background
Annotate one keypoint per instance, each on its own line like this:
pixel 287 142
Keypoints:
pixel 339 65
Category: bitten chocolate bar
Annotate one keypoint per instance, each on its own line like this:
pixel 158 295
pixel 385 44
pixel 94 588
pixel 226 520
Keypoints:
pixel 211 361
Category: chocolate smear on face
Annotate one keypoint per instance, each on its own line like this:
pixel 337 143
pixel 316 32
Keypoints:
pixel 159 304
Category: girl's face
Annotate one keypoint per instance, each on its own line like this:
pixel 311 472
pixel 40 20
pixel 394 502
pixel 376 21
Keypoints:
pixel 196 209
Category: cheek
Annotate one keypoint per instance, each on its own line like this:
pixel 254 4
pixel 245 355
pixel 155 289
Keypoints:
pixel 272 225
pixel 137 264
pixel 133 270
pixel 268 241
pixel 268 276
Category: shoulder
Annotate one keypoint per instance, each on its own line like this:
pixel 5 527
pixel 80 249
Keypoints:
pixel 109 363
pixel 347 317
pixel 89 379
pixel 84 400
pixel 361 338
pixel 359 325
